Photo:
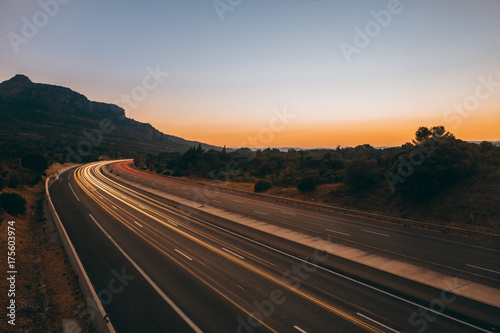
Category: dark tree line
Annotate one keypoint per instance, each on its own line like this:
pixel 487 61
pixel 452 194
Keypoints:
pixel 433 161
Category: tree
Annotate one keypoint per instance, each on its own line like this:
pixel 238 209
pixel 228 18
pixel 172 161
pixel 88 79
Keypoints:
pixel 450 161
pixel 306 184
pixel 36 161
pixel 362 174
pixel 13 203
pixel 262 186
pixel 422 134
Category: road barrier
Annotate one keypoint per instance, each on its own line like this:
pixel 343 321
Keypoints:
pixel 370 216
pixel 100 322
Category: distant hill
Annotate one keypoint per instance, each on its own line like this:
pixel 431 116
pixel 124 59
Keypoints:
pixel 57 117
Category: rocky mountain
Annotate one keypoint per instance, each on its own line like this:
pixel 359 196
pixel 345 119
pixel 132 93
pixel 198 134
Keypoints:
pixel 33 113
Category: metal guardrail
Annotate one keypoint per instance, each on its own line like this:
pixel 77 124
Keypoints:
pixel 400 221
pixel 100 322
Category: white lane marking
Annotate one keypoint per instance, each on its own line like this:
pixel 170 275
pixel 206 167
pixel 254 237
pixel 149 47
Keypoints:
pixel 337 232
pixel 299 329
pixel 183 254
pixel 376 233
pixel 158 290
pixel 234 254
pixel 237 201
pixel 289 213
pixel 114 207
pixel 260 212
pixel 172 223
pixel 138 224
pixel 349 278
pixel 71 187
pixel 216 201
pixel 187 193
pixel 484 269
pixel 373 320
pixel 341 275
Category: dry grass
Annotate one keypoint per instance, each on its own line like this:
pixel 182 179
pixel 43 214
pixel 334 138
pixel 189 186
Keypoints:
pixel 46 287
pixel 473 204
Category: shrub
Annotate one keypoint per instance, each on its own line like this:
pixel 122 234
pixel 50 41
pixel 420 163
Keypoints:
pixel 306 184
pixel 13 203
pixel 262 186
pixel 362 174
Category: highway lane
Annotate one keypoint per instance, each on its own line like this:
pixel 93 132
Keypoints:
pixel 215 276
pixel 471 259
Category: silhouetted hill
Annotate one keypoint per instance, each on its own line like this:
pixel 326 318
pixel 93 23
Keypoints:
pixel 34 113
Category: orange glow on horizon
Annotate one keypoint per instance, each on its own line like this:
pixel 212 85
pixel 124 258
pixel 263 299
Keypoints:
pixel 395 132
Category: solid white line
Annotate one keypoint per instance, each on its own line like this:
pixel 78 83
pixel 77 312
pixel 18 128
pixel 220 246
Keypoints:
pixel 373 320
pixel 376 233
pixel 114 207
pixel 299 329
pixel 183 254
pixel 138 224
pixel 261 212
pixel 234 254
pixel 337 232
pixel 484 269
pixel 341 275
pixel 289 213
pixel 158 290
pixel 71 187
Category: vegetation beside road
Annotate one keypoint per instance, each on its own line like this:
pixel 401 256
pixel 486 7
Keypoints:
pixel 436 178
pixel 47 290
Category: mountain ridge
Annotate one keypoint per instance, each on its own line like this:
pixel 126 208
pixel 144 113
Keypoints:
pixel 41 111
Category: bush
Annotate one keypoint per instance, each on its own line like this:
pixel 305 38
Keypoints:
pixel 306 184
pixel 262 186
pixel 36 161
pixel 362 174
pixel 13 203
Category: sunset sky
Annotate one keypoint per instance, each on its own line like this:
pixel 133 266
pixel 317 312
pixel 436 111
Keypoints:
pixel 344 72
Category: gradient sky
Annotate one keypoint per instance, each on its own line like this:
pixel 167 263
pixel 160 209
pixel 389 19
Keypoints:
pixel 228 77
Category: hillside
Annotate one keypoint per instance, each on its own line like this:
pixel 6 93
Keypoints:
pixel 57 118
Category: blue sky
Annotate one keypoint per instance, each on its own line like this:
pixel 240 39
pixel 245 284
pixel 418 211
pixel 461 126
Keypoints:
pixel 227 76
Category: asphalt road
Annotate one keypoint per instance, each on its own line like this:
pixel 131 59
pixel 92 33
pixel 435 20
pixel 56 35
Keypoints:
pixel 473 260
pixel 159 270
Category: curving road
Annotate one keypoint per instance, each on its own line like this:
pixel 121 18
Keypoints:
pixel 158 269
pixel 473 260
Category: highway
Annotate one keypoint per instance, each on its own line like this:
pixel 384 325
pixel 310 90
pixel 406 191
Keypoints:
pixel 474 260
pixel 158 269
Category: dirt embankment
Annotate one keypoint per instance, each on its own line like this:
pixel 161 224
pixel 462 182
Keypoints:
pixel 47 295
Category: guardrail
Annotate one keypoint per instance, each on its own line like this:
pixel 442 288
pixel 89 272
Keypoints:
pixel 100 322
pixel 400 221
